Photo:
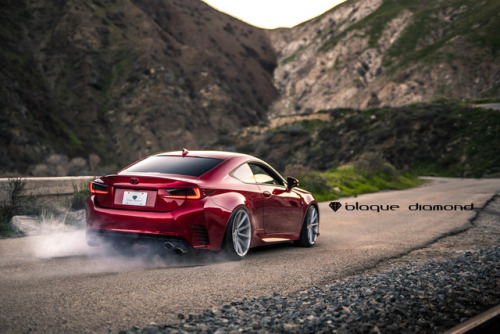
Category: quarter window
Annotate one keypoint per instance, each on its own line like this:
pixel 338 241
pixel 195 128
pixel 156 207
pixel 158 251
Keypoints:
pixel 244 174
pixel 264 175
pixel 255 173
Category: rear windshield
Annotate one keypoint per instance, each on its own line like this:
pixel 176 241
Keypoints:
pixel 163 164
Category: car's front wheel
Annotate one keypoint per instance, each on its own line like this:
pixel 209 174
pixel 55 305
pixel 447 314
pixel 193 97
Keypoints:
pixel 310 228
pixel 238 235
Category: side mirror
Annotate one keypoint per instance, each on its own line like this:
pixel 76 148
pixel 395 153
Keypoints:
pixel 292 182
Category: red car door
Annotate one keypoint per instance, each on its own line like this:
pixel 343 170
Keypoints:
pixel 282 208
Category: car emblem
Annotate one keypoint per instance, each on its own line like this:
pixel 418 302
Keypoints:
pixel 134 180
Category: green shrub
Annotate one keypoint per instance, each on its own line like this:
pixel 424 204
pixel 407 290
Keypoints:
pixel 308 179
pixel 19 204
pixel 369 174
pixel 11 206
pixel 80 194
pixel 6 214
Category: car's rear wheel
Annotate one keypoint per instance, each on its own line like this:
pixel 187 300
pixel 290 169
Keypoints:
pixel 238 235
pixel 310 228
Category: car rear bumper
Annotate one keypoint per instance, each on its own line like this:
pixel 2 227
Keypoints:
pixel 187 224
pixel 122 239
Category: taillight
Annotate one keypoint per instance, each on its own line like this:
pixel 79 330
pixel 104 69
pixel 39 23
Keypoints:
pixel 98 188
pixel 183 193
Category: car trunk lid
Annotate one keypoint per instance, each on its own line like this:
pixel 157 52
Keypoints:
pixel 141 192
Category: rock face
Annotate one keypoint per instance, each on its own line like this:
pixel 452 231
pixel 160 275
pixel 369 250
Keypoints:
pixel 369 53
pixel 440 138
pixel 121 79
pixel 89 85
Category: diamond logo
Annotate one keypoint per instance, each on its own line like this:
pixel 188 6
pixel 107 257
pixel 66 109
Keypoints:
pixel 335 206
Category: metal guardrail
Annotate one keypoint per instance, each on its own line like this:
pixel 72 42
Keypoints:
pixel 43 186
pixel 486 322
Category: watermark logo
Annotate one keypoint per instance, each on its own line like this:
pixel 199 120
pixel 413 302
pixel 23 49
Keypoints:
pixel 335 206
pixel 394 207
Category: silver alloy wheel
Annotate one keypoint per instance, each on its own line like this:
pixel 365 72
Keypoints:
pixel 241 232
pixel 312 225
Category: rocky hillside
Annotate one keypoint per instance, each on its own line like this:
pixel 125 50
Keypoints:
pixel 119 79
pixel 369 53
pixel 440 138
pixel 89 85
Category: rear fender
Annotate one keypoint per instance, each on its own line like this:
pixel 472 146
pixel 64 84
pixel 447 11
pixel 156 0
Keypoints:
pixel 218 211
pixel 229 200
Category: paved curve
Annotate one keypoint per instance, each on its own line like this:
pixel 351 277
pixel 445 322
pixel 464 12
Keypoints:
pixel 495 106
pixel 54 283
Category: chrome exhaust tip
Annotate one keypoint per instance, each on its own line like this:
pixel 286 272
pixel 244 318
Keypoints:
pixel 93 240
pixel 179 251
pixel 175 247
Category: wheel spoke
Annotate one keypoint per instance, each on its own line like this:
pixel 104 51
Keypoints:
pixel 238 247
pixel 241 233
pixel 314 216
pixel 237 220
pixel 242 221
pixel 312 225
pixel 244 228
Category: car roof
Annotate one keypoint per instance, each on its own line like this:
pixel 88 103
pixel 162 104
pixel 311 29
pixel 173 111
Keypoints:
pixel 231 159
pixel 209 154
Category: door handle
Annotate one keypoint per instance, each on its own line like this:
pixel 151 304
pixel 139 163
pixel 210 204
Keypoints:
pixel 267 194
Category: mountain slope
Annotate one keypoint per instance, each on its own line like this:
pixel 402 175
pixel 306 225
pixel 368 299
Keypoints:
pixel 439 138
pixel 89 85
pixel 124 78
pixel 368 53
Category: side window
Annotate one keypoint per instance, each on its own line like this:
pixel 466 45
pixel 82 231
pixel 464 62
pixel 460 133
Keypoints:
pixel 263 175
pixel 244 174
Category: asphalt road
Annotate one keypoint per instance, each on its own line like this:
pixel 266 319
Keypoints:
pixel 495 106
pixel 55 283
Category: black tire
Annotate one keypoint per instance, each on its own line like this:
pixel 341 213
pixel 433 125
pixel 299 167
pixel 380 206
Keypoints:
pixel 238 235
pixel 310 228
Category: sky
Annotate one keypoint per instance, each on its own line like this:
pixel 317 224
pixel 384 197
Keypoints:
pixel 272 14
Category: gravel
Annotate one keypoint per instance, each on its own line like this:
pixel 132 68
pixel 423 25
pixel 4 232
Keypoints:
pixel 427 296
pixel 428 290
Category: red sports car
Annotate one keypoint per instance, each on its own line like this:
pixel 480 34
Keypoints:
pixel 202 200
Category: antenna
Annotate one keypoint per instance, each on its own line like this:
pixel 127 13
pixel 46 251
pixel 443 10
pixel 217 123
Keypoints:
pixel 184 152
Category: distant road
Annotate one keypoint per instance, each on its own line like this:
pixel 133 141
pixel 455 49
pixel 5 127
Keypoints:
pixel 56 284
pixel 495 106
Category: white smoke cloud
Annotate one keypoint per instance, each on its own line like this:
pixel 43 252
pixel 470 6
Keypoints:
pixel 49 237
